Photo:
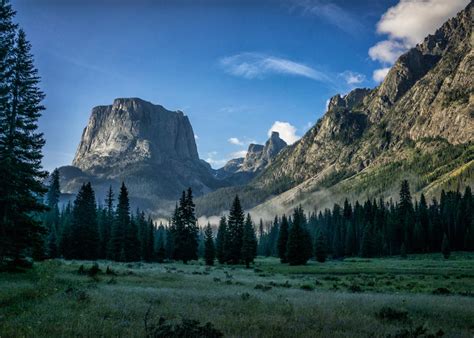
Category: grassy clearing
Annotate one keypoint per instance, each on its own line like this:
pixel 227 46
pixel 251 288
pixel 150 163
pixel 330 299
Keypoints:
pixel 354 297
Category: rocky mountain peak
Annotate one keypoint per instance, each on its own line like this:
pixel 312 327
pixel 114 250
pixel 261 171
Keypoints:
pixel 132 130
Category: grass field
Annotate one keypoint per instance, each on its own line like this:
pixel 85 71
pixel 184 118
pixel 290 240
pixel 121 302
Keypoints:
pixel 353 297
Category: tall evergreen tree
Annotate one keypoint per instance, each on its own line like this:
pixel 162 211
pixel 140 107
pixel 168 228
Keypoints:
pixel 406 215
pixel 186 231
pixel 120 226
pixel 84 230
pixel 221 247
pixel 21 174
pixel 283 240
pixel 235 232
pixel 320 247
pixel 131 245
pixel 445 247
pixel 209 250
pixel 106 224
pixel 249 242
pixel 299 240
pixel 51 217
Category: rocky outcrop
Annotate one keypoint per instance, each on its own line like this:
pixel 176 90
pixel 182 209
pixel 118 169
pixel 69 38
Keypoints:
pixel 134 131
pixel 150 148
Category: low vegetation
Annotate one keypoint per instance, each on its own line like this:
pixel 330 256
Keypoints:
pixel 394 297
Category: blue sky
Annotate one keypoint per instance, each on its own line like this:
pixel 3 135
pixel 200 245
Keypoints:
pixel 236 68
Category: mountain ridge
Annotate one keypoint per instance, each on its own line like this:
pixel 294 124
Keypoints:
pixel 424 106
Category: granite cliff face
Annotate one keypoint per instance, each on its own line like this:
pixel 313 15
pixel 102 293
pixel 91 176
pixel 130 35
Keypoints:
pixel 149 147
pixel 417 124
pixel 134 131
pixel 258 157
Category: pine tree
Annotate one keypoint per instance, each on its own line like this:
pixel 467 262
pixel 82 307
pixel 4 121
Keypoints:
pixel 221 248
pixel 131 245
pixel 106 224
pixel 445 247
pixel 403 251
pixel 406 214
pixel 120 226
pixel 367 246
pixel 84 230
pixel 299 249
pixel 235 231
pixel 186 230
pixel 209 250
pixel 21 174
pixel 283 240
pixel 51 217
pixel 320 247
pixel 249 242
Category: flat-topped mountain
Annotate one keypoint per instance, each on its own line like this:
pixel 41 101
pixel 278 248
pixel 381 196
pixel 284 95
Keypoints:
pixel 150 148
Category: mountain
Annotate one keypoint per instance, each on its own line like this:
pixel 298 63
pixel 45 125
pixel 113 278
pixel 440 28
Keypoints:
pixel 241 170
pixel 150 148
pixel 417 124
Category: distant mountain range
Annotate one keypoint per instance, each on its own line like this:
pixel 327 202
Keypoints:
pixel 418 124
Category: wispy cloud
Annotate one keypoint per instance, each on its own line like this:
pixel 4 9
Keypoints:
pixel 257 65
pixel 406 24
pixel 331 13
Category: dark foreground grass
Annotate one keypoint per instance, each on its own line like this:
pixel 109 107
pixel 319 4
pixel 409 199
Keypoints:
pixel 350 298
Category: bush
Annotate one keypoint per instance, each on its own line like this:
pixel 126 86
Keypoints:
pixel 390 314
pixel 94 270
pixel 245 296
pixel 307 287
pixel 187 328
pixel 441 291
pixel 262 287
pixel 355 288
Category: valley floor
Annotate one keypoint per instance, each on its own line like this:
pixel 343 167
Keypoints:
pixel 349 298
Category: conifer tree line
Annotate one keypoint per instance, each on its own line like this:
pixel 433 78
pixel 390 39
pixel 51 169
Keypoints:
pixel 85 230
pixel 373 229
pixel 21 173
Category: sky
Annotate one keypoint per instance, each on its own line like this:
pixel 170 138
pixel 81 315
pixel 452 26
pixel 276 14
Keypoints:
pixel 237 69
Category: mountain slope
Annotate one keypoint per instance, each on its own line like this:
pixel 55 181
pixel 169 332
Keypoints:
pixel 417 124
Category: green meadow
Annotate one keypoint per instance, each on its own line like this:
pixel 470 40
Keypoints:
pixel 421 296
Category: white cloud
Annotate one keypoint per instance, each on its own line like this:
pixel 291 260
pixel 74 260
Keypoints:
pixel 352 78
pixel 286 130
pixel 387 51
pixel 408 23
pixel 196 137
pixel 380 74
pixel 256 65
pixel 412 20
pixel 235 141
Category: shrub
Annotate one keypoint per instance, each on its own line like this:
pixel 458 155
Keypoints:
pixel 187 328
pixel 441 291
pixel 245 296
pixel 94 270
pixel 390 314
pixel 307 287
pixel 355 288
pixel 263 287
pixel 109 271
